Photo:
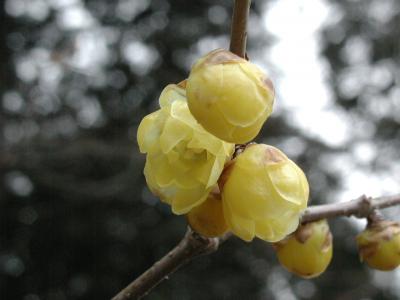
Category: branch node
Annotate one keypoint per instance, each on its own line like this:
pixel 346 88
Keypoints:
pixel 364 207
pixel 202 245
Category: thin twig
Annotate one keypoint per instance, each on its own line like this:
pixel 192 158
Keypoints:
pixel 361 207
pixel 194 245
pixel 239 27
pixel 191 246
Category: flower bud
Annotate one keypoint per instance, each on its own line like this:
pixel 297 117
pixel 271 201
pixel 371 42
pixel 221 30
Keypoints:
pixel 208 218
pixel 183 161
pixel 379 245
pixel 263 194
pixel 229 96
pixel 308 251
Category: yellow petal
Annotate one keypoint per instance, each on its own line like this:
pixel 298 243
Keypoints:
pixel 148 132
pixel 273 230
pixel 207 218
pixel 287 182
pixel 180 111
pixel 241 227
pixel 172 134
pixel 170 94
pixel 186 199
pixel 203 140
pixel 248 193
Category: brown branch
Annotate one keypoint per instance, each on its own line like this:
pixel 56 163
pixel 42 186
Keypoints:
pixel 191 246
pixel 239 27
pixel 361 207
pixel 194 245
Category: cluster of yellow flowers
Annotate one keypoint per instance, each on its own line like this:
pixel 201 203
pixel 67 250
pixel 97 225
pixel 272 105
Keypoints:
pixel 191 165
pixel 190 144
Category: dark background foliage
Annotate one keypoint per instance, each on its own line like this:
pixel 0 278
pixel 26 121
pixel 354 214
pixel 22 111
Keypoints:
pixel 76 77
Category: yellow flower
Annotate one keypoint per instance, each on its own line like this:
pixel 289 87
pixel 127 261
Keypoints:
pixel 229 96
pixel 183 160
pixel 208 218
pixel 379 245
pixel 263 194
pixel 308 251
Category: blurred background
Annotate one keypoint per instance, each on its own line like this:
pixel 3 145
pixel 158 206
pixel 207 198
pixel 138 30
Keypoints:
pixel 76 77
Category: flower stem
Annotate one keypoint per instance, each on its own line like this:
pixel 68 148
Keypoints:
pixel 239 27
